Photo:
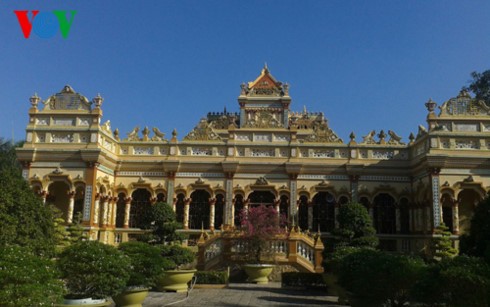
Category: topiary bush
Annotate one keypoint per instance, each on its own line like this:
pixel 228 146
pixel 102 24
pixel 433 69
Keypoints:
pixel 146 263
pixel 178 255
pixel 27 279
pixel 211 277
pixel 461 281
pixel 162 221
pixel 375 277
pixel 93 269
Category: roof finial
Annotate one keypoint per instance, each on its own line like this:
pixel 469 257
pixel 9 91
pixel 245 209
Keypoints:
pixel 266 69
pixel 304 109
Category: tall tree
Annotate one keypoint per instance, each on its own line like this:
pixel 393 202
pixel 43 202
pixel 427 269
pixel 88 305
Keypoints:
pixel 480 86
pixel 24 220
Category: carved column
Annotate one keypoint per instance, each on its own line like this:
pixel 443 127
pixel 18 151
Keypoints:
pixel 71 207
pixel 277 206
pixel 354 187
pixel 436 207
pixel 90 199
pixel 187 203
pixel 455 217
pixel 127 211
pixel 212 210
pixel 232 219
pixel 96 209
pixel 293 183
pixel 310 215
pixel 174 204
pixel 229 218
pixel 170 187
pixel 105 210
pixel 114 211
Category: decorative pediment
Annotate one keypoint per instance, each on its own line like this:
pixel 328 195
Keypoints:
pixel 261 181
pixel 464 105
pixel 395 139
pixel 202 132
pixel 224 121
pixel 67 99
pixel 323 134
pixel 264 85
pixel 263 119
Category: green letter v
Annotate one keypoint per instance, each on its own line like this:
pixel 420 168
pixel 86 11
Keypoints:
pixel 65 25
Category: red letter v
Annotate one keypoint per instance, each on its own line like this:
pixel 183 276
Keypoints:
pixel 24 22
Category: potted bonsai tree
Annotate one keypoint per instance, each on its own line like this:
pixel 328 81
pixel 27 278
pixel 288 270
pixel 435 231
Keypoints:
pixel 162 221
pixel 182 271
pixel 258 226
pixel 146 266
pixel 92 272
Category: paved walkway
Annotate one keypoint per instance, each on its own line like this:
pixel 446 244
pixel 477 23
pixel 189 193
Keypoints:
pixel 242 295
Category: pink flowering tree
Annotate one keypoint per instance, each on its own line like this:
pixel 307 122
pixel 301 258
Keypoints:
pixel 259 225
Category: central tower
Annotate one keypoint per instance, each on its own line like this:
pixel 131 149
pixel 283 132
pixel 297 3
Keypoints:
pixel 264 103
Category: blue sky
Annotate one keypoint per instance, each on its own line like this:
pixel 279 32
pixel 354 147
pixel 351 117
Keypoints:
pixel 365 64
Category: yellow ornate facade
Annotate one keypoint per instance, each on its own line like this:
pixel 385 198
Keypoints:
pixel 265 153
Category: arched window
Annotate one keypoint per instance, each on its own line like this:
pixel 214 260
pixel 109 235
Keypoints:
pixel 140 205
pixel 447 211
pixel 58 196
pixel 365 202
pixel 323 211
pixel 404 216
pixel 258 198
pixel 384 213
pixel 179 208
pixel 199 210
pixel 284 206
pixel 343 200
pixel 467 200
pixel 238 209
pixel 303 212
pixel 161 197
pixel 79 197
pixel 219 208
pixel 121 210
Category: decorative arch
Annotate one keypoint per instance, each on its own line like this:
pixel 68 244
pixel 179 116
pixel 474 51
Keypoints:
pixel 238 203
pixel 219 210
pixel 58 195
pixel 140 205
pixel 199 209
pixel 468 199
pixel 121 209
pixel 179 205
pixel 384 213
pixel 303 204
pixel 323 211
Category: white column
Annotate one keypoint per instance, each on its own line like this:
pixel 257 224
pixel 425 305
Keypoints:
pixel 71 207
pixel 310 215
pixel 187 202
pixel 96 209
pixel 127 211
pixel 456 217
pixel 105 209
pixel 212 211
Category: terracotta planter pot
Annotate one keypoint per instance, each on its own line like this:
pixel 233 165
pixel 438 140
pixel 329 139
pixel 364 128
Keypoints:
pixel 258 273
pixel 175 280
pixel 131 298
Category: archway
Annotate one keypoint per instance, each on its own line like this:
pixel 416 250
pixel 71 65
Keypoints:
pixel 447 211
pixel 467 199
pixel 199 210
pixel 404 216
pixel 284 206
pixel 323 212
pixel 79 197
pixel 179 208
pixel 161 198
pixel 258 198
pixel 140 205
pixel 219 208
pixel 238 210
pixel 121 210
pixel 58 196
pixel 384 213
pixel 303 212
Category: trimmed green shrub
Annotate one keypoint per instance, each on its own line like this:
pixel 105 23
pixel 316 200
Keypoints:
pixel 461 281
pixel 477 242
pixel 146 263
pixel 332 261
pixel 302 280
pixel 161 219
pixel 376 277
pixel 178 255
pixel 355 227
pixel 211 277
pixel 93 269
pixel 27 279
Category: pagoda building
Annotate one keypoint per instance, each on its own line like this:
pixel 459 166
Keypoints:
pixel 263 154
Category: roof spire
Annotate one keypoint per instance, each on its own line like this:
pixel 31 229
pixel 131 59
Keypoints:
pixel 265 69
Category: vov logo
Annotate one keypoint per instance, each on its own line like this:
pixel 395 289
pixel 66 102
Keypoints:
pixel 45 24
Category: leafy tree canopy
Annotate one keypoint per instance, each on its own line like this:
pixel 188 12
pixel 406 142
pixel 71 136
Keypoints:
pixel 24 220
pixel 480 86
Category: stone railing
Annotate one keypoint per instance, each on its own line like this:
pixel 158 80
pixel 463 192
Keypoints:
pixel 297 249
